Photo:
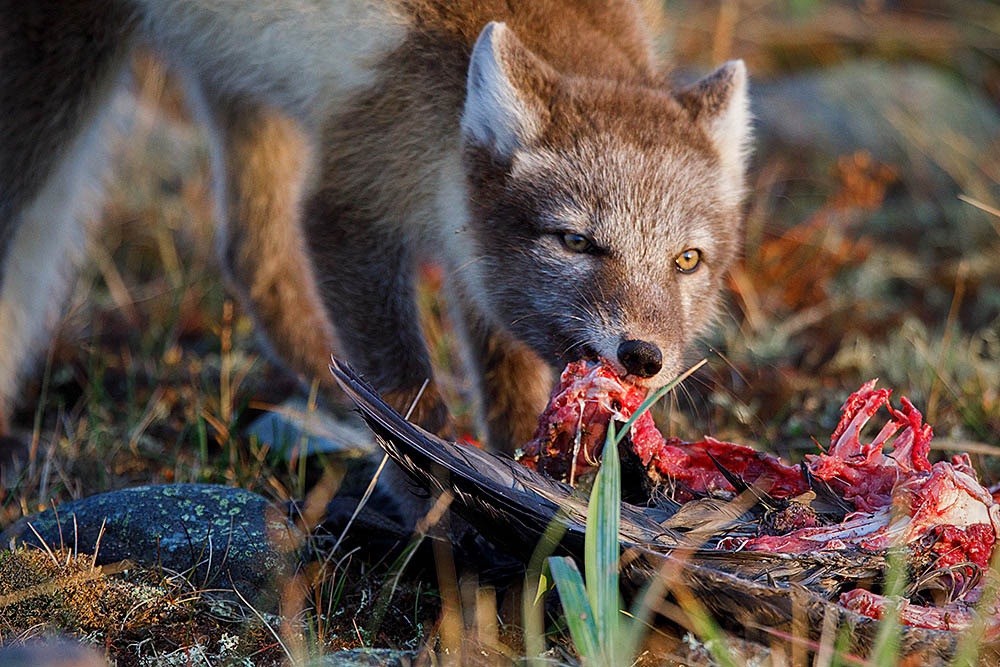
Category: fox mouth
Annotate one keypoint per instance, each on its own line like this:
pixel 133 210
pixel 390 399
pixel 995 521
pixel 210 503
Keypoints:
pixel 589 352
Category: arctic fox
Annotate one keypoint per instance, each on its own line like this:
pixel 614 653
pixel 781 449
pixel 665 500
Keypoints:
pixel 579 205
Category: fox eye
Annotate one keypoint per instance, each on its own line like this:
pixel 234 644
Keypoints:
pixel 577 243
pixel 688 261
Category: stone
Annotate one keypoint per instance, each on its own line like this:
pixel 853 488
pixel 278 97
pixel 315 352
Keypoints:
pixel 50 653
pixel 367 657
pixel 939 135
pixel 900 113
pixel 293 428
pixel 218 536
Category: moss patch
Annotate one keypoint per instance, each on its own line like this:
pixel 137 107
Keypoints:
pixel 134 614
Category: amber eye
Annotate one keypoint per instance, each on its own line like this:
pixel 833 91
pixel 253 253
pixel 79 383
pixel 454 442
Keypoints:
pixel 688 261
pixel 577 243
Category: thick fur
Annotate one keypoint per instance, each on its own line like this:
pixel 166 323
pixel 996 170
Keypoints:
pixel 56 67
pixel 357 137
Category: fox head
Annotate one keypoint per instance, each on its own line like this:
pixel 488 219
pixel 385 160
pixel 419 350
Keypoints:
pixel 604 215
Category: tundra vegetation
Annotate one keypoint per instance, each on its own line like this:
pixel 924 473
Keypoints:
pixel 872 250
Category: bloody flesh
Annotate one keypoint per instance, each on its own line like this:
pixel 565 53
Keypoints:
pixel 570 435
pixel 899 497
pixel 570 438
pixel 863 472
pixel 956 616
pixel 689 465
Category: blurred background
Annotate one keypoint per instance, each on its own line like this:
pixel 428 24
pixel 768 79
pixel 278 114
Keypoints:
pixel 872 250
pixel 873 240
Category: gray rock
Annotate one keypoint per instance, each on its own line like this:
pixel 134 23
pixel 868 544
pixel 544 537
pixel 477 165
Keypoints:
pixel 897 112
pixel 941 136
pixel 294 425
pixel 216 534
pixel 50 653
pixel 367 657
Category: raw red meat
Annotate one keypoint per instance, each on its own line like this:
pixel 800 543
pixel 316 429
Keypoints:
pixel 901 497
pixel 947 497
pixel 972 544
pixel 860 530
pixel 570 435
pixel 862 472
pixel 570 438
pixel 690 464
pixel 956 616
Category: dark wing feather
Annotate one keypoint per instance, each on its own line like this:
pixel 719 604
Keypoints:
pixel 489 489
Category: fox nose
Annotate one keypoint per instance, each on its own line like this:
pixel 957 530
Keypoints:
pixel 640 358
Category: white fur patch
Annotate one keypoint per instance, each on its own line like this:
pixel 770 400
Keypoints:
pixel 730 131
pixel 41 258
pixel 299 55
pixel 201 110
pixel 495 116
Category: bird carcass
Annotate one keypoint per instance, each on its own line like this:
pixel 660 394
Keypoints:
pixel 858 497
pixel 759 540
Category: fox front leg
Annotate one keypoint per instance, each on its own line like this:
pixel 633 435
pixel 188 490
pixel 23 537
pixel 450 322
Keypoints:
pixel 513 382
pixel 261 238
pixel 365 274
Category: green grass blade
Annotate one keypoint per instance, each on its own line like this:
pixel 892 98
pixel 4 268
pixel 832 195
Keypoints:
pixel 634 631
pixel 887 640
pixel 970 641
pixel 576 607
pixel 601 548
pixel 531 604
pixel 630 639
pixel 712 636
pixel 843 645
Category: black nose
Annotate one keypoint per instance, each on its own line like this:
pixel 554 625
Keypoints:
pixel 640 358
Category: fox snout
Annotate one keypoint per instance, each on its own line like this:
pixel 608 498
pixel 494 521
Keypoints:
pixel 640 358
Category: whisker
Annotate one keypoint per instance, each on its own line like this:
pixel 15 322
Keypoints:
pixel 730 364
pixel 524 317
pixel 574 343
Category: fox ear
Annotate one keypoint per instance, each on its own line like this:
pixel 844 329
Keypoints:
pixel 501 112
pixel 721 105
